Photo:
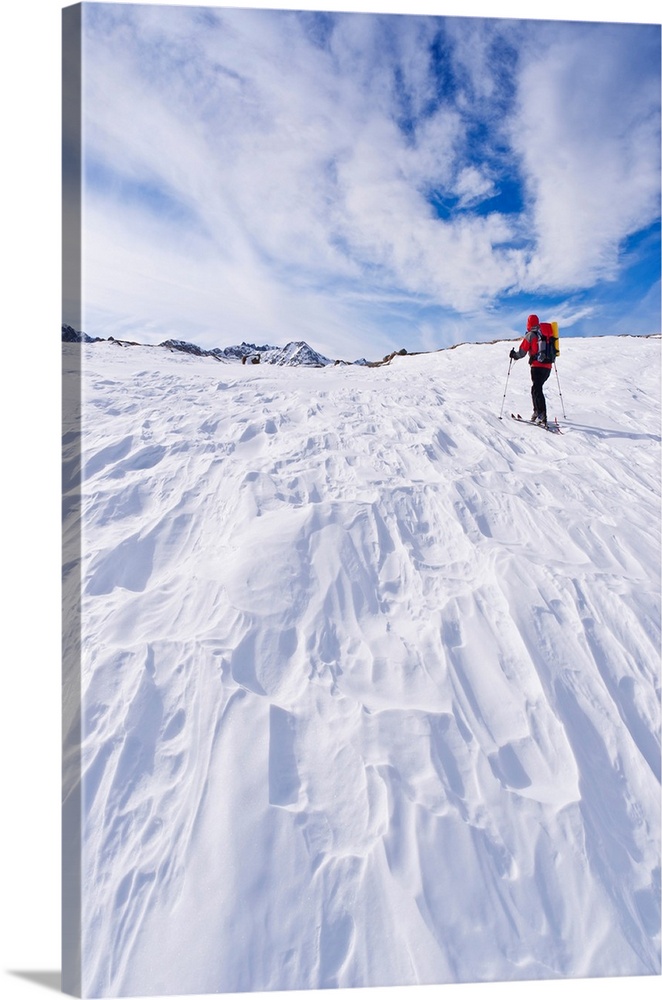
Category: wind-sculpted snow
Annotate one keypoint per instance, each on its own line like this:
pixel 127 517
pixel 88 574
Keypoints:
pixel 370 678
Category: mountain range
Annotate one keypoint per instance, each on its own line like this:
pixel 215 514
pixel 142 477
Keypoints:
pixel 297 353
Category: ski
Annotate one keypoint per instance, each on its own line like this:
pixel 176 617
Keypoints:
pixel 552 428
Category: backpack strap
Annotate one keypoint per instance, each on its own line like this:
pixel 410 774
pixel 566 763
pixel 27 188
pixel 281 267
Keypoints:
pixel 534 345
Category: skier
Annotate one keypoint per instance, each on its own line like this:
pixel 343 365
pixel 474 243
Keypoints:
pixel 540 370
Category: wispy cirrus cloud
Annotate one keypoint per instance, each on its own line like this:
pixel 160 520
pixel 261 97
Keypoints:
pixel 353 179
pixel 591 160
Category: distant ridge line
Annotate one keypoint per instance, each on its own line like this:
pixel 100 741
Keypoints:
pixel 269 354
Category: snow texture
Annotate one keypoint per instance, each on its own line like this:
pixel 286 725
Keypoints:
pixel 370 686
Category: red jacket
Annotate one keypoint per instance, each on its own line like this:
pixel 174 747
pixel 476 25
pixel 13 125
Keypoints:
pixel 530 346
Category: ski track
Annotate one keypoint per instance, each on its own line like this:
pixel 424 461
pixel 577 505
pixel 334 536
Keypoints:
pixel 370 679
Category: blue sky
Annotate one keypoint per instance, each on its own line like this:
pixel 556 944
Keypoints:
pixel 367 182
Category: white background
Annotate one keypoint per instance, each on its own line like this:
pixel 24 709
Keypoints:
pixel 30 553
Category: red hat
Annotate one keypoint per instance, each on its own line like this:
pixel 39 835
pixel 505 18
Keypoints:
pixel 531 322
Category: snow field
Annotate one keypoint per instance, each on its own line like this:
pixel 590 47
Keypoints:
pixel 370 677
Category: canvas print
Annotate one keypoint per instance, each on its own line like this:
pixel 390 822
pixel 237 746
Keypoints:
pixel 361 500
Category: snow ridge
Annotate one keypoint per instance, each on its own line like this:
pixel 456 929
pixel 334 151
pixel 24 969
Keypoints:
pixel 371 679
pixel 295 353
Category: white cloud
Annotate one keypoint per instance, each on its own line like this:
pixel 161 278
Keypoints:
pixel 588 135
pixel 473 186
pixel 302 163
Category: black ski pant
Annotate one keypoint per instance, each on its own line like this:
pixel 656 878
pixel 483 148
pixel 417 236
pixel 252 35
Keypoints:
pixel 538 378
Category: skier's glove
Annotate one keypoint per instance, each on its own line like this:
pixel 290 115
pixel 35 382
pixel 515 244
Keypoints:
pixel 513 354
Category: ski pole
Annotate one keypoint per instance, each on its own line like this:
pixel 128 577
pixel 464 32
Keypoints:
pixel 506 389
pixel 560 393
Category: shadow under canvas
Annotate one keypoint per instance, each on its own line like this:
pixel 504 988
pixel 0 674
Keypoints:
pixel 51 980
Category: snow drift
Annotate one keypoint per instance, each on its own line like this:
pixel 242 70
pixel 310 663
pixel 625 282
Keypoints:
pixel 370 677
